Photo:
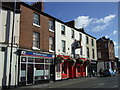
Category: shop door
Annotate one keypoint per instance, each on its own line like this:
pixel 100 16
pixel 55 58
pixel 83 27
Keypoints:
pixel 30 74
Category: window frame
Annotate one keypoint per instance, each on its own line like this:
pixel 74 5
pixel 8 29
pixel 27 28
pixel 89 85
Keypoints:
pixel 63 30
pixel 63 47
pixel 72 33
pixel 36 41
pixel 51 25
pixel 52 45
pixel 38 19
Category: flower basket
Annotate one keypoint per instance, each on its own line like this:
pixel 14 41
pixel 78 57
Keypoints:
pixel 80 61
pixel 87 62
pixel 72 61
pixel 59 59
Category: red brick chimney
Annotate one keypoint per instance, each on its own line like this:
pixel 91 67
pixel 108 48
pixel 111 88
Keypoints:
pixel 38 5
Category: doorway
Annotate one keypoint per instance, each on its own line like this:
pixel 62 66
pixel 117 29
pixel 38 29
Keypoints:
pixel 30 74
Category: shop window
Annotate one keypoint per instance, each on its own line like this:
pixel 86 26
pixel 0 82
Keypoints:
pixel 36 19
pixel 30 59
pixel 39 71
pixel 39 60
pixel 47 71
pixel 23 73
pixel 64 69
pixel 36 40
pixel 63 29
pixel 58 67
pixel 63 46
pixel 51 43
pixel 23 59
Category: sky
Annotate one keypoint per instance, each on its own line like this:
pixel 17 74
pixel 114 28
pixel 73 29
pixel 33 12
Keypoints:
pixel 97 18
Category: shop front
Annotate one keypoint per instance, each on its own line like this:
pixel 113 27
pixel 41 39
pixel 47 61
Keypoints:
pixel 34 67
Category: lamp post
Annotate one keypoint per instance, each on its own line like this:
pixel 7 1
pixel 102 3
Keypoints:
pixel 12 44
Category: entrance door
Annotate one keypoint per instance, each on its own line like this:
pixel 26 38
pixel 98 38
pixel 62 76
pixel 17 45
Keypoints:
pixel 30 74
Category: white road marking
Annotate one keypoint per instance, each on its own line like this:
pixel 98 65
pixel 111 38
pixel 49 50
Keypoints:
pixel 101 84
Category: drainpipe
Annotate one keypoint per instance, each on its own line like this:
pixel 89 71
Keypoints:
pixel 12 45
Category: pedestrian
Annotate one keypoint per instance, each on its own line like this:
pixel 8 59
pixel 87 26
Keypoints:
pixel 101 72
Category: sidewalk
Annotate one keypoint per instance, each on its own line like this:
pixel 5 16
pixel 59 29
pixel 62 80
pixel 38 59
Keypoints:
pixel 57 82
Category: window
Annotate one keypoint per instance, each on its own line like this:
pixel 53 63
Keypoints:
pixel 80 37
pixel 51 26
pixel 93 54
pixel 36 40
pixel 63 46
pixel 36 19
pixel 51 43
pixel 72 34
pixel 99 55
pixel 81 51
pixel 63 29
pixel 87 41
pixel 106 45
pixel 92 42
pixel 87 52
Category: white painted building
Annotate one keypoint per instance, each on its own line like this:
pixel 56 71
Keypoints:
pixel 6 22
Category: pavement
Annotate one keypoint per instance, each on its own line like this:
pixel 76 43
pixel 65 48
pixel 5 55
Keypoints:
pixel 80 83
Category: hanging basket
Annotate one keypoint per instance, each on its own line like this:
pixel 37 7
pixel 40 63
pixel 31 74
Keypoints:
pixel 87 62
pixel 80 61
pixel 59 59
pixel 72 61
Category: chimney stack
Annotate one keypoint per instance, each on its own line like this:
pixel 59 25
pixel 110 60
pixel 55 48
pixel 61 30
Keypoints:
pixel 38 5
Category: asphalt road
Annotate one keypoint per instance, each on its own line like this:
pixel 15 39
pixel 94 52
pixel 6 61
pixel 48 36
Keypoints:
pixel 86 82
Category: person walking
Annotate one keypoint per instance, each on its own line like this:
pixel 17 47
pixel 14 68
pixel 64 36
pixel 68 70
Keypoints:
pixel 101 72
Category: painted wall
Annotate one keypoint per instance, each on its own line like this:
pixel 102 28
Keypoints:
pixel 6 18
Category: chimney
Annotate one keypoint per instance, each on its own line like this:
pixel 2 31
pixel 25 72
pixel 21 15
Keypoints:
pixel 38 5
pixel 71 24
pixel 81 29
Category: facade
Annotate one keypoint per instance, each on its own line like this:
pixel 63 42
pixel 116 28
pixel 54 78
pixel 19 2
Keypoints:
pixel 106 55
pixel 6 25
pixel 36 46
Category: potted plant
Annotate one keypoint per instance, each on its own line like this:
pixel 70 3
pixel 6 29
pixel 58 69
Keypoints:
pixel 59 59
pixel 72 61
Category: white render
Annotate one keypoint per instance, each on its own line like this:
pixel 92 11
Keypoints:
pixel 6 15
pixel 67 37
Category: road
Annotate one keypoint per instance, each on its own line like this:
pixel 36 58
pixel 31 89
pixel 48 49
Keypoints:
pixel 86 82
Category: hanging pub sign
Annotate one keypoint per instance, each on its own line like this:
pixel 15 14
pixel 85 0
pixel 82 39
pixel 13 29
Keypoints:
pixel 77 44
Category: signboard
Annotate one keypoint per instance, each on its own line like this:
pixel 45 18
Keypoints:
pixel 36 54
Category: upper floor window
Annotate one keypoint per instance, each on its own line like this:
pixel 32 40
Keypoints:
pixel 36 39
pixel 36 19
pixel 88 52
pixel 51 43
pixel 87 40
pixel 51 25
pixel 81 51
pixel 63 46
pixel 80 37
pixel 92 41
pixel 93 54
pixel 72 34
pixel 63 29
pixel 106 45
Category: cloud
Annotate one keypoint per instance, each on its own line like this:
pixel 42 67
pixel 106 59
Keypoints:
pixel 107 36
pixel 114 32
pixel 95 24
pixel 105 20
pixel 115 43
pixel 82 21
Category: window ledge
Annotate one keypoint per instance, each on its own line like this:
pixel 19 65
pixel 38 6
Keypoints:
pixel 51 51
pixel 35 48
pixel 51 30
pixel 36 25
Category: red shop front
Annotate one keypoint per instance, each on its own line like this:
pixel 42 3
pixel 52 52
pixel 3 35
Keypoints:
pixel 81 67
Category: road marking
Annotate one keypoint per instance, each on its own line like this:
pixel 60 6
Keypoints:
pixel 101 84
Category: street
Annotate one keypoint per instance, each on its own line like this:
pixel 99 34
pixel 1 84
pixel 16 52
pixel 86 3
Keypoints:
pixel 86 82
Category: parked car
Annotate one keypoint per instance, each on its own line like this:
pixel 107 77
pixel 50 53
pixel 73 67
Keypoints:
pixel 106 73
pixel 112 72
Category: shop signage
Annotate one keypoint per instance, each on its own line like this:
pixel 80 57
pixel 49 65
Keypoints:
pixel 36 54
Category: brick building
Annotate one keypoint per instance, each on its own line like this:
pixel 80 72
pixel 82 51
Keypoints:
pixel 106 54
